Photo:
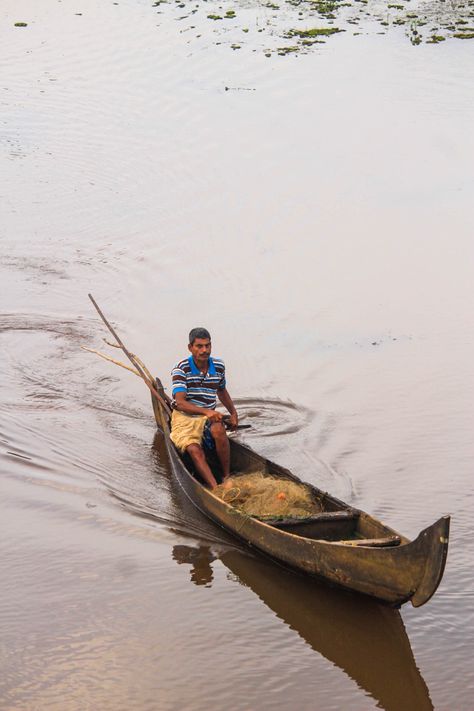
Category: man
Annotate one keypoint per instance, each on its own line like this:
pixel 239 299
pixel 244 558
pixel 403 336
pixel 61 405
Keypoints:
pixel 195 424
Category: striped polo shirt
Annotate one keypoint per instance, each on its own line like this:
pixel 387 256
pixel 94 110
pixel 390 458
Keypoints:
pixel 200 389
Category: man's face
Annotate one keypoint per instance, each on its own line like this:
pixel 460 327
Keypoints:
pixel 200 349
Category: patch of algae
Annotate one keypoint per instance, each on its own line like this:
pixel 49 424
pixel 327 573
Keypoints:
pixel 308 23
pixel 288 50
pixel 315 32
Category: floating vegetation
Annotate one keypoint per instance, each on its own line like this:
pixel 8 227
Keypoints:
pixel 316 32
pixel 266 23
pixel 21 24
pixel 414 35
pixel 287 50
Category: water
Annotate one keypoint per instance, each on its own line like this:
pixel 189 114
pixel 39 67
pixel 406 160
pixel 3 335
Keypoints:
pixel 314 212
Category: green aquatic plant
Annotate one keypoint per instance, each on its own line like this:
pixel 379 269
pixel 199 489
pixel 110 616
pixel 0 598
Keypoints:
pixel 442 20
pixel 315 32
pixel 323 7
pixel 287 50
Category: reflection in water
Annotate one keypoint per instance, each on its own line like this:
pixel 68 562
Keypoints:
pixel 363 638
pixel 366 640
pixel 199 559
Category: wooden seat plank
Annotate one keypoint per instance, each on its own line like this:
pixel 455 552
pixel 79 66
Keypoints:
pixel 374 542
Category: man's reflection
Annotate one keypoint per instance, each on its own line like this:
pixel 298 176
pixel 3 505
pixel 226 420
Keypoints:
pixel 200 559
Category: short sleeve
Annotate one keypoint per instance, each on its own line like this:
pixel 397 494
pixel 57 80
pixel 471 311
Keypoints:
pixel 178 379
pixel 222 381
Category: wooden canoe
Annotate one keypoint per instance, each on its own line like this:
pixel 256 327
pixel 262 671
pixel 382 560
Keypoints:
pixel 342 545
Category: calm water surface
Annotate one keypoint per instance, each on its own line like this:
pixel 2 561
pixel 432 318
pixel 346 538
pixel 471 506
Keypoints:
pixel 314 211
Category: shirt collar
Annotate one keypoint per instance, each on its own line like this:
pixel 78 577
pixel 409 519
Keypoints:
pixel 196 371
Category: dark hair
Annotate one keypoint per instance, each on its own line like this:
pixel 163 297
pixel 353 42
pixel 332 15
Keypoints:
pixel 198 333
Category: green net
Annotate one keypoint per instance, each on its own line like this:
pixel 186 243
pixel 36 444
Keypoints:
pixel 263 496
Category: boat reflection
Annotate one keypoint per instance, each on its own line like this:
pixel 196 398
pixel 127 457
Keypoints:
pixel 368 641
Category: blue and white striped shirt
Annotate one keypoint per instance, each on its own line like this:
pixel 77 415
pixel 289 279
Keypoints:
pixel 200 389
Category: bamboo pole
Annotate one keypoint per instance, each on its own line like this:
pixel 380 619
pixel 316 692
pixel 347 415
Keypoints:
pixel 112 360
pixel 143 372
pixel 139 370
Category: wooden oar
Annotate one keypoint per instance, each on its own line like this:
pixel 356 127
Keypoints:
pixel 226 419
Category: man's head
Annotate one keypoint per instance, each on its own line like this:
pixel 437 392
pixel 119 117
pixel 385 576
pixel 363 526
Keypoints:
pixel 200 345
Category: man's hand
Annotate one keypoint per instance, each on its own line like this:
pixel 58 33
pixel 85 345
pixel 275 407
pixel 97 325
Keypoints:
pixel 214 416
pixel 233 421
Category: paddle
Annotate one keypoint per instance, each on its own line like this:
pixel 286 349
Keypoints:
pixel 226 419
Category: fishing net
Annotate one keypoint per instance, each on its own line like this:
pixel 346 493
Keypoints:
pixel 263 496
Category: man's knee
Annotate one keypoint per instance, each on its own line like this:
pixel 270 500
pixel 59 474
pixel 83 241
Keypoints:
pixel 218 430
pixel 195 451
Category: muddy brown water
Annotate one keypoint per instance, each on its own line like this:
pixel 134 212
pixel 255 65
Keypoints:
pixel 315 213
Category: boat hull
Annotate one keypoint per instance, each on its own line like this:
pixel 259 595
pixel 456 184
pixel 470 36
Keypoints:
pixel 411 570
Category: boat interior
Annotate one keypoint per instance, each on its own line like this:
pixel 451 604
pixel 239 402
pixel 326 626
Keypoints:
pixel 333 520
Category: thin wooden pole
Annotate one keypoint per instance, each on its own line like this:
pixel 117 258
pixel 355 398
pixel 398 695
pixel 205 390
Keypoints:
pixel 112 360
pixel 146 379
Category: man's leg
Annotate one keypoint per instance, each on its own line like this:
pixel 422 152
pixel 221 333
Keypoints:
pixel 222 447
pixel 199 460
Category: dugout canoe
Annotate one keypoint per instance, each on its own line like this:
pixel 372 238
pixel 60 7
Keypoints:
pixel 342 545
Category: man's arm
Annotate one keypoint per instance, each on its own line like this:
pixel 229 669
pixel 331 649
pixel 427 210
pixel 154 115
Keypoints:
pixel 189 408
pixel 226 400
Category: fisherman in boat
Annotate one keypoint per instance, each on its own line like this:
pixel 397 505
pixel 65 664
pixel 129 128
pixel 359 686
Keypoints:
pixel 196 425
